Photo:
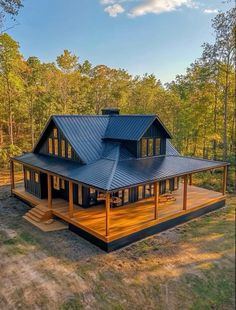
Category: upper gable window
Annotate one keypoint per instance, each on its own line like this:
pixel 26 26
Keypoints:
pixel 56 146
pixel 69 151
pixel 50 145
pixel 55 133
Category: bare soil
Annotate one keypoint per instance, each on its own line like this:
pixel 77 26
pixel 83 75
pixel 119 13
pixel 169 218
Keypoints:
pixel 188 267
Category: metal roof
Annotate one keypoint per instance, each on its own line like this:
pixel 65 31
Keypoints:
pixel 84 133
pixel 130 127
pixel 170 149
pixel 112 174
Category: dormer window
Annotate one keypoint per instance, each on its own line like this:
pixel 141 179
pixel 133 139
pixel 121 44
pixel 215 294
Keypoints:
pixel 144 147
pixel 157 146
pixel 150 147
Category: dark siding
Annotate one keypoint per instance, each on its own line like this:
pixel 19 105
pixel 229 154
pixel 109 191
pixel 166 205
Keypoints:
pixel 30 185
pixel 43 147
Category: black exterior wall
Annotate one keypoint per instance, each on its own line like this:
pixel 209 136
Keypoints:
pixel 117 244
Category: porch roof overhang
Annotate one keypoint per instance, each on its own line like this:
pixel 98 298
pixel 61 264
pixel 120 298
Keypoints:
pixel 111 175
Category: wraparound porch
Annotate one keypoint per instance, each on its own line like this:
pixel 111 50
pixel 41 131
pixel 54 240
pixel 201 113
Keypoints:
pixel 131 218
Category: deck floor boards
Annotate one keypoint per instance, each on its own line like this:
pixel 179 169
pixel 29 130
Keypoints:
pixel 129 217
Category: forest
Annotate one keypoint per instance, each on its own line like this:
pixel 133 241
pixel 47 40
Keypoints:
pixel 198 107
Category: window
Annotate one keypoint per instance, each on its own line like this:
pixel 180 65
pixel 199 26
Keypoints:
pixel 69 151
pixel 36 177
pixel 150 147
pixel 56 146
pixel 144 147
pixel 50 145
pixel 80 201
pixel 27 175
pixel 140 192
pixel 92 193
pixel 63 149
pixel 167 185
pixel 176 181
pixel 147 190
pixel 126 195
pixel 56 182
pixel 157 146
pixel 152 189
pixel 62 184
pixel 55 133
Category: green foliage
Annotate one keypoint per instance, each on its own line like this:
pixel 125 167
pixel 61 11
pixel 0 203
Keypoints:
pixel 197 107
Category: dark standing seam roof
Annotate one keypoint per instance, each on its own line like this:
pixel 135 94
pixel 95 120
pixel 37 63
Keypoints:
pixel 84 134
pixel 109 165
pixel 110 174
pixel 170 149
pixel 128 127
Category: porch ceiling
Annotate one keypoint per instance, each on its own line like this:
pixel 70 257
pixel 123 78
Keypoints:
pixel 109 175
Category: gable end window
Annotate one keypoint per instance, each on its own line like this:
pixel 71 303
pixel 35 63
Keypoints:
pixel 56 146
pixel 50 145
pixel 63 149
pixel 55 133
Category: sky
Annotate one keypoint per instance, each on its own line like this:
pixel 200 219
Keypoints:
pixel 161 37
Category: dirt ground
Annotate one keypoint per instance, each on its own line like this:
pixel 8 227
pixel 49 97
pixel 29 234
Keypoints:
pixel 188 267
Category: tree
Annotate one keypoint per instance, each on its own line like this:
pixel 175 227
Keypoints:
pixel 11 66
pixel 9 7
pixel 67 62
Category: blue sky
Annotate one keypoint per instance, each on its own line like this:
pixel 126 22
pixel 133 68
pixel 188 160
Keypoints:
pixel 142 36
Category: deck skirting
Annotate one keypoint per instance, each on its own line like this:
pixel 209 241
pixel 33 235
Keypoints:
pixel 124 241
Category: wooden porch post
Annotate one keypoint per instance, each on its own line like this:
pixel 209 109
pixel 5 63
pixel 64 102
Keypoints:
pixel 156 198
pixel 12 174
pixel 185 192
pixel 224 180
pixel 191 179
pixel 71 202
pixel 107 202
pixel 49 192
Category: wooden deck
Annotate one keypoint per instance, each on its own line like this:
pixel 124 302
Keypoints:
pixel 130 218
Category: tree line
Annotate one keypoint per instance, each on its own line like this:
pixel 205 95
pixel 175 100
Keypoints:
pixel 198 107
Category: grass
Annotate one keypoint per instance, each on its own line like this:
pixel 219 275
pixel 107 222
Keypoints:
pixel 188 267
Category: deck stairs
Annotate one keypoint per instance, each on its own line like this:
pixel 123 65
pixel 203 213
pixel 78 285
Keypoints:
pixel 42 217
pixel 40 213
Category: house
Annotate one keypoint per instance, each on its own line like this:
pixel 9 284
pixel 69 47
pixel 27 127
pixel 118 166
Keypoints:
pixel 113 178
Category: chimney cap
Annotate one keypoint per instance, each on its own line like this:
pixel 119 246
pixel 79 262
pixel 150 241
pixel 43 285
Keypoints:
pixel 110 111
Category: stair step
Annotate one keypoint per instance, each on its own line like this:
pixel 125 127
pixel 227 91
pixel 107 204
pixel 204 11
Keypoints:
pixel 36 214
pixel 38 211
pixel 32 217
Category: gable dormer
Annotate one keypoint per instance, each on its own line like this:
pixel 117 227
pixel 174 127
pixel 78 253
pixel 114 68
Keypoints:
pixel 153 141
pixel 54 143
pixel 142 135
